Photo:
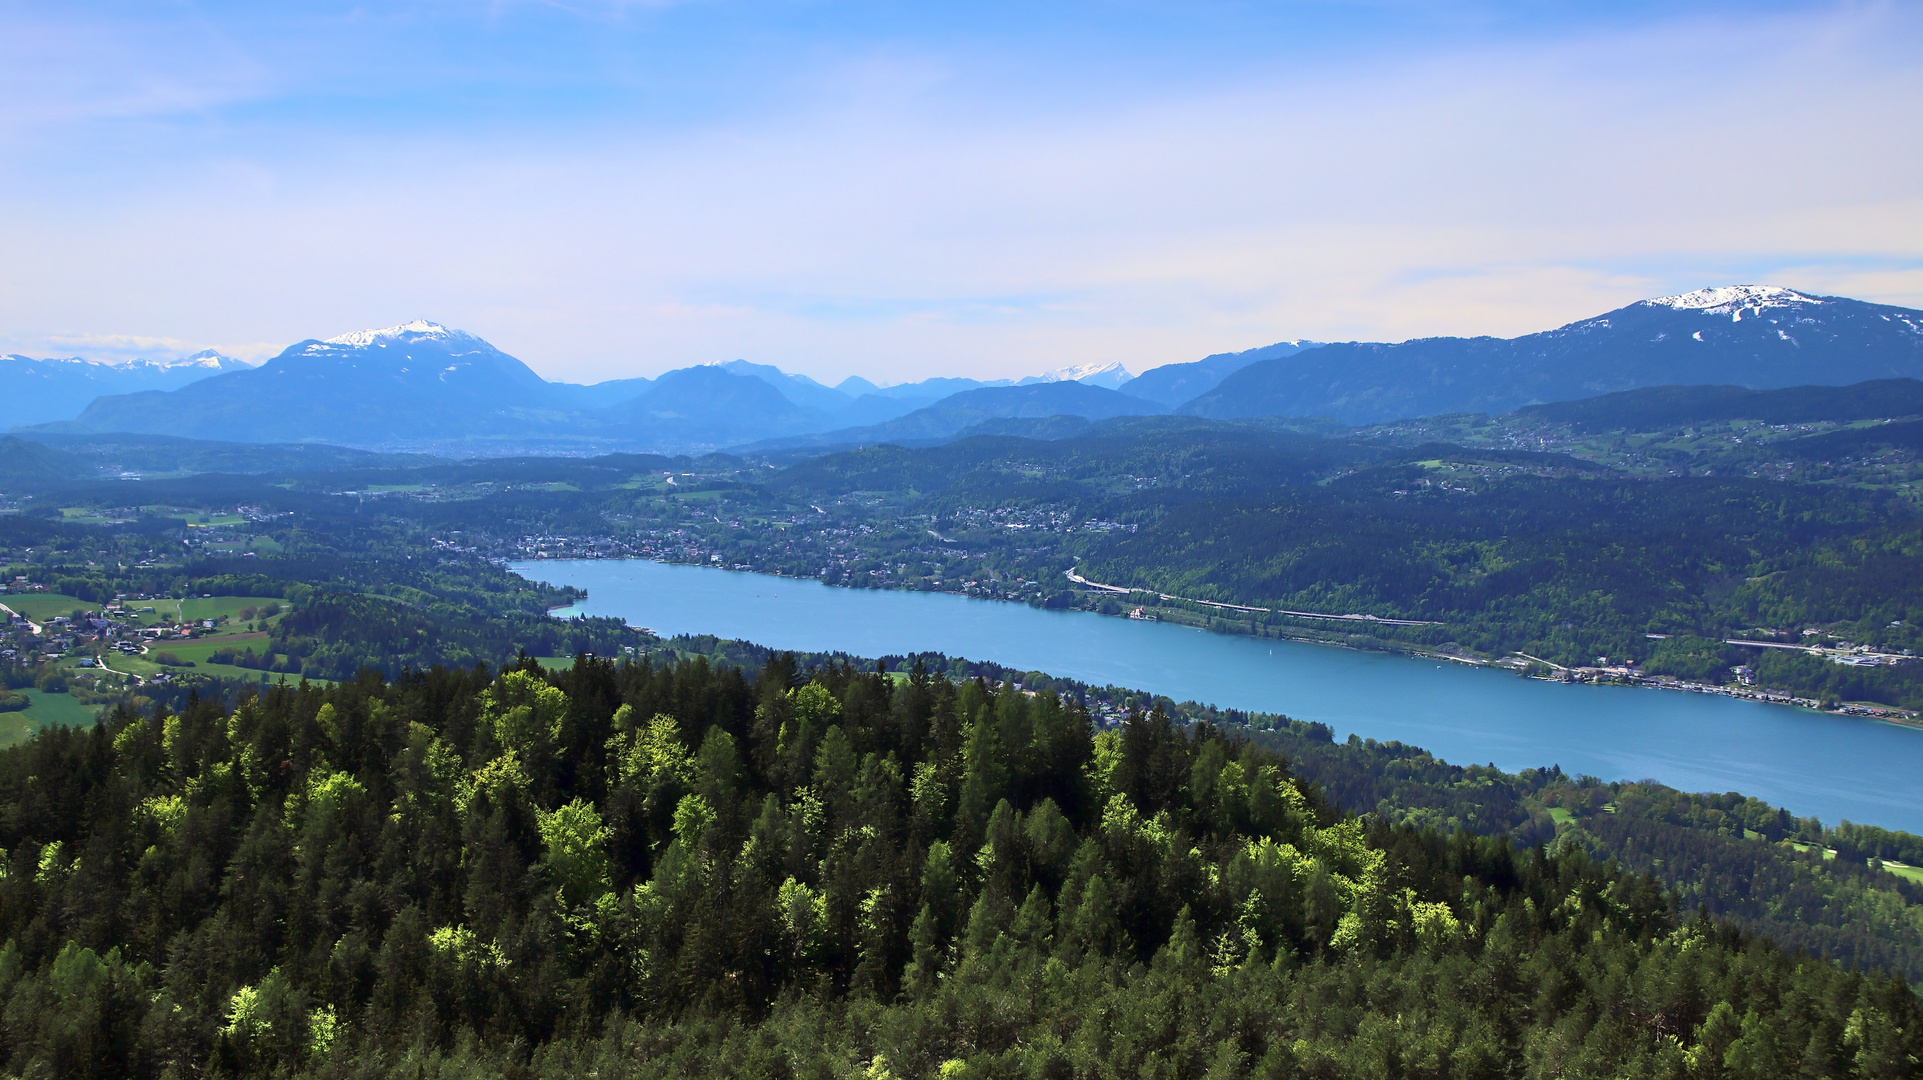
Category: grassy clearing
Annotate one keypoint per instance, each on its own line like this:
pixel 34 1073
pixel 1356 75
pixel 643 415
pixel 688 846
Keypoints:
pixel 86 515
pixel 1561 816
pixel 39 607
pixel 16 728
pixel 144 667
pixel 1911 873
pixel 199 652
pixel 260 545
pixel 1800 846
pixel 196 608
pixel 235 671
pixel 46 710
pixel 555 663
pixel 200 649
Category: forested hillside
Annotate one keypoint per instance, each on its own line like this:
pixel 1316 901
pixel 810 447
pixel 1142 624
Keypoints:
pixel 1655 549
pixel 683 870
pixel 1807 887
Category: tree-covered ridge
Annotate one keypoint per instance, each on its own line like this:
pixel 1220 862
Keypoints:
pixel 1738 858
pixel 682 870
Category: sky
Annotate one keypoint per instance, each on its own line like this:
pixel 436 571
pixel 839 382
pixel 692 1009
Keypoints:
pixel 899 190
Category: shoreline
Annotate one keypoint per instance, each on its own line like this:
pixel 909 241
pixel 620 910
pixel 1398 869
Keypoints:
pixel 1595 676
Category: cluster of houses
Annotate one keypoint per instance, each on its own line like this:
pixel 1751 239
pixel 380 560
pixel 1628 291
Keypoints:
pixel 115 627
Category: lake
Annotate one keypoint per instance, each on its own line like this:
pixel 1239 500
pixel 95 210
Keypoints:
pixel 1809 762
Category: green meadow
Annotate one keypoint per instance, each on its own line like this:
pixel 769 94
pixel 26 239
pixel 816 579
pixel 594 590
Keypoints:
pixel 196 608
pixel 1910 873
pixel 39 607
pixel 47 710
pixel 199 653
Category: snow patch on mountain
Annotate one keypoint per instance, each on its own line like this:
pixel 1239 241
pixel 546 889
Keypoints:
pixel 1109 376
pixel 206 358
pixel 419 328
pixel 1733 300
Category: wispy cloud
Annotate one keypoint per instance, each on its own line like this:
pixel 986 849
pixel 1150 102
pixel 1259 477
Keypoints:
pixel 944 199
pixel 123 348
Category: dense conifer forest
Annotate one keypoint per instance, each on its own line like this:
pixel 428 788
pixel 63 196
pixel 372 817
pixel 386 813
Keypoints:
pixel 692 868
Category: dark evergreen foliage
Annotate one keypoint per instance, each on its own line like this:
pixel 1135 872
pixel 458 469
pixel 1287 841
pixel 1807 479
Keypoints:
pixel 684 870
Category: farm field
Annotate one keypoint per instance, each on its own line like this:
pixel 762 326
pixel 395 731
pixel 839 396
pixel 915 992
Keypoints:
pixel 199 649
pixel 261 545
pixel 136 665
pixel 196 608
pixel 47 709
pixel 199 652
pixel 39 607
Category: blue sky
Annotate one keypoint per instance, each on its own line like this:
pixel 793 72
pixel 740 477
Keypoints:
pixel 902 190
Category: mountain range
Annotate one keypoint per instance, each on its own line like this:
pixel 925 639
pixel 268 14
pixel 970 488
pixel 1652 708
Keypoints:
pixel 1755 336
pixel 964 412
pixel 422 386
pixel 37 391
pixel 1172 384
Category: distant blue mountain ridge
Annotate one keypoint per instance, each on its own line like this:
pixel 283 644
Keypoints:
pixel 422 386
pixel 36 391
pixel 1756 336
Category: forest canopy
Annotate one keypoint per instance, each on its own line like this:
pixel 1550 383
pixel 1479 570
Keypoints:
pixel 693 868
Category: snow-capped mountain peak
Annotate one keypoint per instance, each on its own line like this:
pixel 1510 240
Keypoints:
pixel 1733 300
pixel 417 328
pixel 205 358
pixel 1109 376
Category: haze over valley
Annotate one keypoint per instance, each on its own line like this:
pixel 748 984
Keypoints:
pixel 862 541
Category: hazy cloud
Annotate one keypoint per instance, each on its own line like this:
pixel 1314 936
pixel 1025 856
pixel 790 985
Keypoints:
pixel 919 204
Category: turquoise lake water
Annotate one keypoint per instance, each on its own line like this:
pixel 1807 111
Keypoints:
pixel 1809 762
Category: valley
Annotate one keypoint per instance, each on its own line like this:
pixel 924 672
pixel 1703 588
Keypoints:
pixel 1504 545
pixel 854 541
pixel 292 602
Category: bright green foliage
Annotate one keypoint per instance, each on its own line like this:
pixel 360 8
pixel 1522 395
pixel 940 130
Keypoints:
pixel 524 710
pixel 451 874
pixel 649 755
pixel 1737 857
pixel 576 854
